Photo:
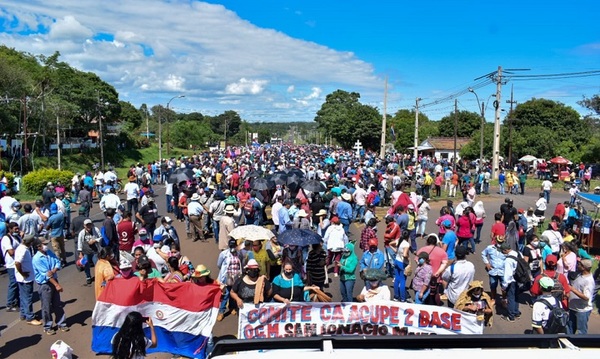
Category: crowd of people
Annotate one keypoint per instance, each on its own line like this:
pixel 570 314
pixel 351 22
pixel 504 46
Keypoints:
pixel 224 190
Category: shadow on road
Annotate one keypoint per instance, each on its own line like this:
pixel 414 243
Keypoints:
pixel 13 346
pixel 80 318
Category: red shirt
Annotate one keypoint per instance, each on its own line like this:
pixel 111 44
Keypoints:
pixel 560 211
pixel 243 197
pixel 536 290
pixel 126 231
pixel 436 256
pixel 183 202
pixel 498 229
pixel 235 180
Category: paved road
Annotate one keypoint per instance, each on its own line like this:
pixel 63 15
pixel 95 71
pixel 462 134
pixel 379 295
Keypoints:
pixel 19 340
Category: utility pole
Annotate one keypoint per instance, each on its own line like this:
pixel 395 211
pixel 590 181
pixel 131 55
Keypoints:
pixel 147 130
pixel 416 141
pixel 58 140
pixel 497 103
pixel 510 119
pixel 383 123
pixel 160 134
pixel 455 131
pixel 100 142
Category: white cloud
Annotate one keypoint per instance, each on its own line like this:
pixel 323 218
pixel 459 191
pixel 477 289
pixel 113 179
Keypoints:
pixel 69 28
pixel 203 49
pixel 316 92
pixel 245 87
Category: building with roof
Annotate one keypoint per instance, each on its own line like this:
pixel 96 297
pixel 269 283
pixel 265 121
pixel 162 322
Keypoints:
pixel 442 147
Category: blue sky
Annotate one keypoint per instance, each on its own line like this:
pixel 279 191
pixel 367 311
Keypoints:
pixel 277 60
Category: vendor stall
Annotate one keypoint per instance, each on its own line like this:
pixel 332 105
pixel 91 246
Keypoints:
pixel 590 223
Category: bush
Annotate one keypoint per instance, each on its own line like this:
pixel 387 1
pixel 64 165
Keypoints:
pixel 34 182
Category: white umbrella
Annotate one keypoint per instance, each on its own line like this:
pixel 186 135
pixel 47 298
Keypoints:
pixel 528 158
pixel 251 232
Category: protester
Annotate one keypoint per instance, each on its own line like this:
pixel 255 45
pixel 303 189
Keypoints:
pixel 45 266
pixel 475 300
pixel 105 270
pixel 10 242
pixel 130 342
pixel 24 274
pixel 401 247
pixel 335 240
pixel 347 265
pixel 288 286
pixel 457 276
pixel 244 289
pixel 422 278
pixel 580 298
pixel 374 290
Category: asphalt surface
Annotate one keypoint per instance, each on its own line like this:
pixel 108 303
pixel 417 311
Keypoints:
pixel 20 340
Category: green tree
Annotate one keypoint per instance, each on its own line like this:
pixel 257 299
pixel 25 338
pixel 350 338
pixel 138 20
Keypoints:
pixel 345 119
pixel 472 149
pixel 554 128
pixel 131 117
pixel 468 123
pixel 231 119
pixel 191 133
pixel 404 127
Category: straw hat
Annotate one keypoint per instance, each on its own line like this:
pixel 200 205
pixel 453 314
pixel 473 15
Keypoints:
pixel 201 271
pixel 302 213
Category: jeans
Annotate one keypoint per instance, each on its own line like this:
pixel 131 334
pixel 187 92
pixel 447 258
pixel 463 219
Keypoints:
pixel 359 211
pixel 215 227
pixel 478 233
pixel 26 298
pixel 91 258
pixel 346 289
pixel 502 190
pixel 512 293
pixel 421 300
pixel 421 225
pixel 399 281
pixel 466 242
pixel 578 322
pixel 12 294
pixel 412 234
pixel 132 206
pixel 486 187
pixel 346 224
pixel 50 300
pixel 169 198
pixel 547 196
pixel 226 301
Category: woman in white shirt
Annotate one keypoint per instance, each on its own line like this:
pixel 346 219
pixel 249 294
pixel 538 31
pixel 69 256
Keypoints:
pixel 376 289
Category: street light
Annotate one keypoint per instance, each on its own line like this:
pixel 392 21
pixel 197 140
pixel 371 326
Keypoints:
pixel 160 130
pixel 481 107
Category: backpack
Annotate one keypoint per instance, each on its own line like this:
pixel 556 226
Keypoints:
pixel 558 319
pixel 558 291
pixel 376 200
pixel 105 240
pixel 522 274
pixel 249 208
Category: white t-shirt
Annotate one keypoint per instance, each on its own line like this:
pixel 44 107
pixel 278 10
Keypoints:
pixel 400 253
pixel 381 293
pixel 540 205
pixel 541 312
pixel 132 189
pixel 546 185
pixel 360 196
pixel 161 265
pixel 585 284
pixel 23 256
pixel 7 244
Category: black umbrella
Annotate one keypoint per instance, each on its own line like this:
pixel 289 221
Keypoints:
pixel 181 175
pixel 261 184
pixel 253 174
pixel 299 237
pixel 279 177
pixel 295 171
pixel 313 186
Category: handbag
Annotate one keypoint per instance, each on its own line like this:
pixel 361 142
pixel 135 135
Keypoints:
pixel 408 270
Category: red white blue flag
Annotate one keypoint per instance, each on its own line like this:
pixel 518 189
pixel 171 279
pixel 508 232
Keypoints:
pixel 183 314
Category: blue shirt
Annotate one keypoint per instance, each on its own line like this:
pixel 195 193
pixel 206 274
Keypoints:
pixel 284 218
pixel 450 240
pixel 56 222
pixel 501 178
pixel 344 210
pixel 42 263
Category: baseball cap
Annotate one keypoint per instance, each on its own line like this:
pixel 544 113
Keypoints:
pixel 551 259
pixel 143 232
pixel 252 263
pixel 87 221
pixel 168 219
pixel 546 282
pixel 446 223
pixel 82 210
pixel 586 263
pixel 504 246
